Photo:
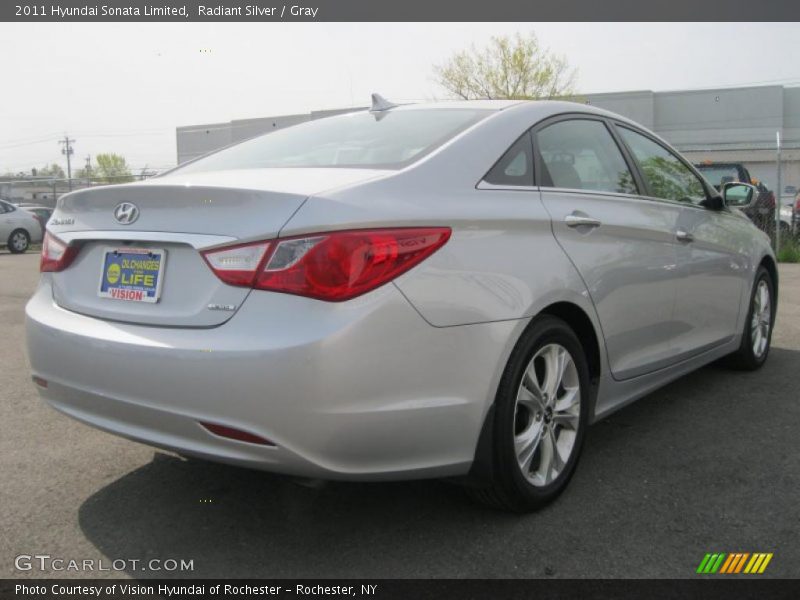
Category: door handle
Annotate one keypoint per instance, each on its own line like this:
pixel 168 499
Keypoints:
pixel 684 236
pixel 581 221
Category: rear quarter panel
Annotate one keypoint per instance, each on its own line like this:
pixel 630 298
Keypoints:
pixel 501 262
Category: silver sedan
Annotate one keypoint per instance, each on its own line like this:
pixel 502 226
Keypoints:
pixel 442 290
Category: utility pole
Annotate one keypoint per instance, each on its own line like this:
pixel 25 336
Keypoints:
pixel 88 170
pixel 778 195
pixel 68 151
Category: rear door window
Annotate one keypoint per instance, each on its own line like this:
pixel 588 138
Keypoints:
pixel 581 154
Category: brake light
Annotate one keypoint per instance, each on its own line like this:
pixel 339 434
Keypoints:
pixel 56 255
pixel 339 265
pixel 237 265
pixel 797 204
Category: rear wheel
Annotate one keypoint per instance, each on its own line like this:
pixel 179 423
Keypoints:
pixel 757 335
pixel 18 241
pixel 541 416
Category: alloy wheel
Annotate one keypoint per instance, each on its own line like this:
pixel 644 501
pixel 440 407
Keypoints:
pixel 19 241
pixel 547 415
pixel 760 322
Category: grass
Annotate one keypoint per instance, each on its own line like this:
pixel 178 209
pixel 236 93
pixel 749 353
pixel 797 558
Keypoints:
pixel 789 252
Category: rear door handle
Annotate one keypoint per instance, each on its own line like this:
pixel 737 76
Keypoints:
pixel 684 236
pixel 581 221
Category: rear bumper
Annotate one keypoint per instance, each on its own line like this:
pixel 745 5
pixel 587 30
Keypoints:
pixel 360 390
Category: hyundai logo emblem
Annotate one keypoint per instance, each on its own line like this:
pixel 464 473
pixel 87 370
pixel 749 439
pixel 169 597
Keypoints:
pixel 126 213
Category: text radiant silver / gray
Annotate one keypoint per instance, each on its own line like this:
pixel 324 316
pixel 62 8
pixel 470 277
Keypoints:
pixel 454 289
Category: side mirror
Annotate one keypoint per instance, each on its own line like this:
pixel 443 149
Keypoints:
pixel 739 195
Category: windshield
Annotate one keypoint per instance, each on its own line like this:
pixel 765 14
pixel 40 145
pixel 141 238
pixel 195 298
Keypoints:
pixel 384 140
pixel 716 176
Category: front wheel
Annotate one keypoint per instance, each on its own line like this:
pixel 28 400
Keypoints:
pixel 757 334
pixel 541 416
pixel 18 241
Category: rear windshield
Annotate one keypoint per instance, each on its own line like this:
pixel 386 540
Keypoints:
pixel 386 140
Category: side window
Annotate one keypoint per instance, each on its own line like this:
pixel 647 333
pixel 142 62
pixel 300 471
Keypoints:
pixel 581 154
pixel 515 167
pixel 3 208
pixel 666 176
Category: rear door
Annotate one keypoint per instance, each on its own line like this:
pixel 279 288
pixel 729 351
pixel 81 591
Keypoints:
pixel 5 222
pixel 12 218
pixel 711 248
pixel 622 244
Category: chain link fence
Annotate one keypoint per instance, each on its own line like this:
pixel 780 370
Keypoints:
pixel 45 191
pixel 763 214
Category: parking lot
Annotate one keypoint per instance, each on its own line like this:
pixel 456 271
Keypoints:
pixel 708 464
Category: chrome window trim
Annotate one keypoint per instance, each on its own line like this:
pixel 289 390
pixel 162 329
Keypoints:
pixel 485 185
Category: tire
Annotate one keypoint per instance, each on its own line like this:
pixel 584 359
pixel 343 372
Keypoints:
pixel 518 416
pixel 756 340
pixel 19 241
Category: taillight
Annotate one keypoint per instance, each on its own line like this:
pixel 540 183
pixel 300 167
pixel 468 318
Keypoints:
pixel 797 205
pixel 237 265
pixel 56 255
pixel 334 266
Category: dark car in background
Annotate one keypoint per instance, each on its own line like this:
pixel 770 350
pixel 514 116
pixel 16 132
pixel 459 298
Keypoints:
pixel 762 211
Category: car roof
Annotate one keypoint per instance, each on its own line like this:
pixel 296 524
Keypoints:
pixel 534 110
pixel 459 104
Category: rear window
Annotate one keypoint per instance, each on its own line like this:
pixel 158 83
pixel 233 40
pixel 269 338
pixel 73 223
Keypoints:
pixel 386 140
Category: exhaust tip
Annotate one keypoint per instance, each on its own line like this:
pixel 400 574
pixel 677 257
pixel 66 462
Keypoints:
pixel 42 383
pixel 236 434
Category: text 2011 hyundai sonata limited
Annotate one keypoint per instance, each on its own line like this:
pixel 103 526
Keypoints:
pixel 442 290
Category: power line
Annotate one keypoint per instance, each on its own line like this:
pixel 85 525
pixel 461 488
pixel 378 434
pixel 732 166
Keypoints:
pixel 43 140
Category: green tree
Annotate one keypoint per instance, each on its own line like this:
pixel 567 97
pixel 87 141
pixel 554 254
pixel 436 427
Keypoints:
pixel 85 172
pixel 111 168
pixel 52 170
pixel 509 67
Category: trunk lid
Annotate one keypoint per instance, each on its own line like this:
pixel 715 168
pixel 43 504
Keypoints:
pixel 176 217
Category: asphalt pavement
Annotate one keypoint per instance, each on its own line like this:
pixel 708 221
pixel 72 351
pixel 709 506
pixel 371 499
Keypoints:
pixel 710 463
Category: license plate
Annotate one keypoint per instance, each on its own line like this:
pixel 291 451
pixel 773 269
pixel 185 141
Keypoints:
pixel 132 274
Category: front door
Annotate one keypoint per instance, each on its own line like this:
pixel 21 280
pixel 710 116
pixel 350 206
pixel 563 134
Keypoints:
pixel 712 271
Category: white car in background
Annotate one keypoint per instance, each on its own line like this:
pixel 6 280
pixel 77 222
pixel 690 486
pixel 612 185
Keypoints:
pixel 42 213
pixel 18 228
